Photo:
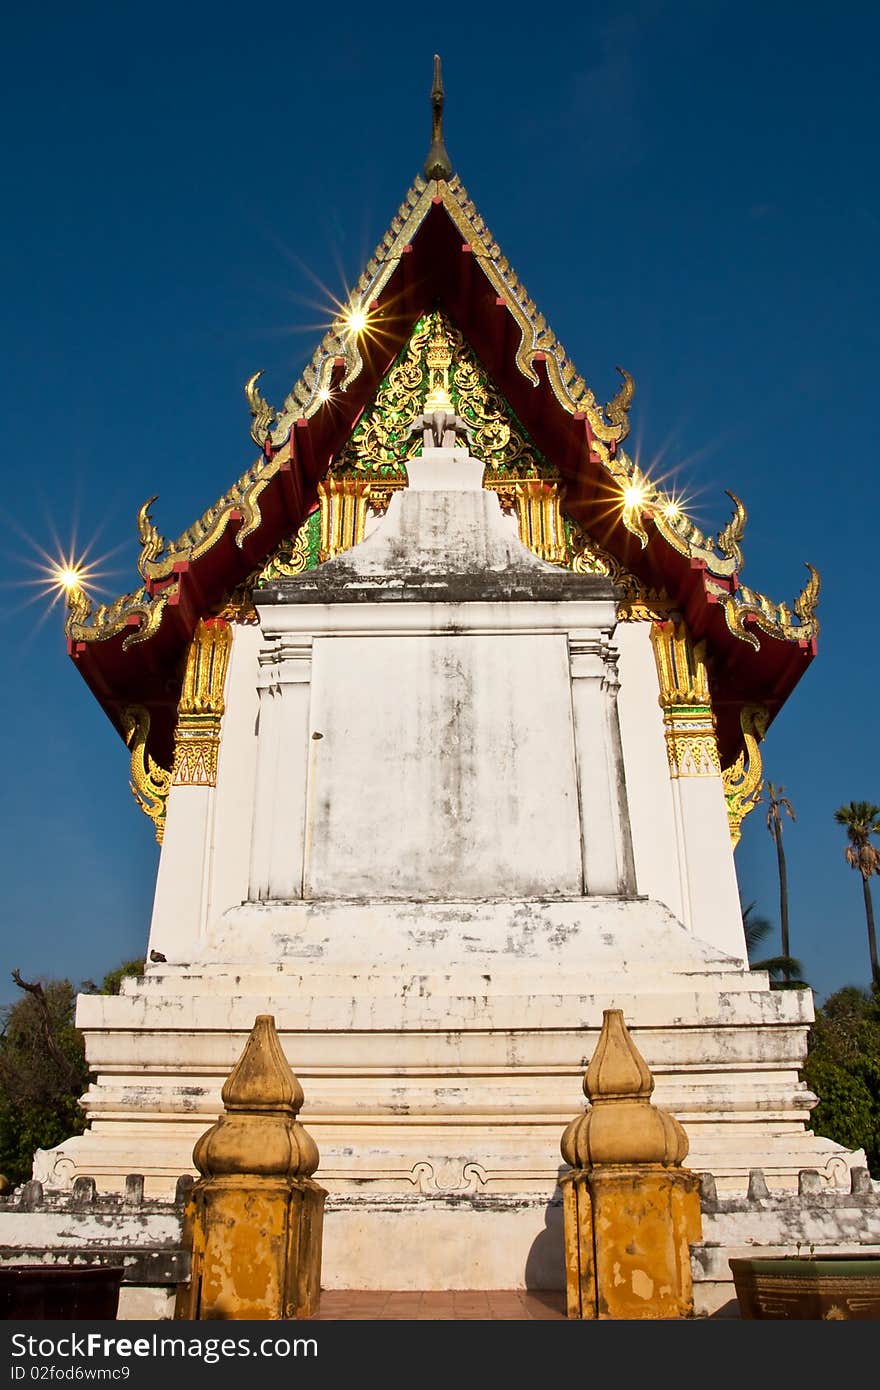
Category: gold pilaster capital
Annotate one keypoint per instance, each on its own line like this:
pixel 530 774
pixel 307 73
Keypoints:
pixel 201 707
pixel 686 701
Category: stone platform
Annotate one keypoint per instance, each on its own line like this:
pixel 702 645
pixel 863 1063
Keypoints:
pixel 440 1096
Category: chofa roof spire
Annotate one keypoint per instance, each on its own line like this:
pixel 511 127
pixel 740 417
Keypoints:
pixel 437 165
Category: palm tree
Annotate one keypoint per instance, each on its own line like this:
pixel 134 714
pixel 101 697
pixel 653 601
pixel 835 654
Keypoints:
pixel 862 820
pixel 779 968
pixel 776 804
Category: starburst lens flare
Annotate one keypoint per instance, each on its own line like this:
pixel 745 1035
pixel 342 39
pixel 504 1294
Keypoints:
pixel 356 319
pixel 634 495
pixel 63 577
pixel 68 579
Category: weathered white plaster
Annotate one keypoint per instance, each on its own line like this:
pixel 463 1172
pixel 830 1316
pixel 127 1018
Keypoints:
pixel 282 769
pixel 441 766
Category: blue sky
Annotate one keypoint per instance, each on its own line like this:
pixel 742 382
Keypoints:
pixel 686 189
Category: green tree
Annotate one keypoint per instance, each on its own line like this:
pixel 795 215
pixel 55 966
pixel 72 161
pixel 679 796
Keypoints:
pixel 785 971
pixel 776 805
pixel 43 1069
pixel 843 1068
pixel 861 820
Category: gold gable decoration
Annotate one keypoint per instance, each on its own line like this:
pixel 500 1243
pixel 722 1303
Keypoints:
pixel 748 613
pixel 371 467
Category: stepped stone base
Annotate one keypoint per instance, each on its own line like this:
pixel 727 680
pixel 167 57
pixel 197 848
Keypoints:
pixel 437 1091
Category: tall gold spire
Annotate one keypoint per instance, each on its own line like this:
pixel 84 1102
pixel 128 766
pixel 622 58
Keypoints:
pixel 437 165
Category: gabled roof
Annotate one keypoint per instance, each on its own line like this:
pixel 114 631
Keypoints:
pixel 438 252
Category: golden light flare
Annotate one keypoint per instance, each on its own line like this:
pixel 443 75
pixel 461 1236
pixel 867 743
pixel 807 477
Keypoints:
pixel 635 495
pixel 356 319
pixel 69 575
pixel 64 576
pixel 672 509
pixel 641 498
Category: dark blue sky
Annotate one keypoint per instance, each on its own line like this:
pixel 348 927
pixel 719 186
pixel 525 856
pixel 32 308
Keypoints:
pixel 688 189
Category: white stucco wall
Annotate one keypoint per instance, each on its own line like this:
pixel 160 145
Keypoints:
pixel 445 768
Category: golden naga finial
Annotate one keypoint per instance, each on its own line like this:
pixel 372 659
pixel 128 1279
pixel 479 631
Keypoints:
pixel 79 608
pixel 150 783
pixel 807 599
pixel 617 409
pixel 730 535
pixel 744 781
pixel 437 165
pixel 262 413
pixel 152 544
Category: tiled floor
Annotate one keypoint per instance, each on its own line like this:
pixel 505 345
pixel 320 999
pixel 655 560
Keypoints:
pixel 483 1305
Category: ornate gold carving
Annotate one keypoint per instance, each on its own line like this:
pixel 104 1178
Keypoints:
pixel 343 514
pixel 291 559
pixel 681 665
pixel 238 606
pixel 743 782
pixel 262 413
pixel 137 612
pixel 688 721
pixel 439 360
pixel 150 783
pixel 201 706
pixel 541 526
pixel 731 535
pixel 380 498
pixel 152 544
pixel 691 746
pixel 648 606
pixel 746 610
pixel 381 443
pixel 805 604
pixel 618 407
pixel 205 674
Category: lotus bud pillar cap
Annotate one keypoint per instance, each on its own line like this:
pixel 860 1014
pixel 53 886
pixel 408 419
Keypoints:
pixel 621 1126
pixel 259 1135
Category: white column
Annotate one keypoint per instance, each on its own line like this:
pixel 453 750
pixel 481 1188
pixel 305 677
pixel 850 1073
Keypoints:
pixel 605 834
pixel 178 922
pixel 620 821
pixel 282 760
pixel 711 892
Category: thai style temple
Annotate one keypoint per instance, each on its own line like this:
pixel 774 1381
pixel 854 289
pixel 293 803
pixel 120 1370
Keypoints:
pixel 446 717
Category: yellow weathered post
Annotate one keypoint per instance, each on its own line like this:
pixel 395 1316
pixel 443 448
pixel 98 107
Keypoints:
pixel 631 1211
pixel 257 1215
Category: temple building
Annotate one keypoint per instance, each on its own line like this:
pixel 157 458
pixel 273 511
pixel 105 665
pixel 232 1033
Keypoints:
pixel 446 717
